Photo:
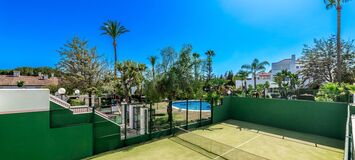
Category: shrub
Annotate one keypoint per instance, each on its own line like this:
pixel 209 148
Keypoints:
pixel 52 88
pixel 76 102
pixel 20 83
pixel 332 92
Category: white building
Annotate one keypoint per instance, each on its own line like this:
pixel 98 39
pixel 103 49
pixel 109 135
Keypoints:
pixel 290 64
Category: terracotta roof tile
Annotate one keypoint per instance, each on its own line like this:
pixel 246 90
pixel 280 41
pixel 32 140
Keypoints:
pixel 6 80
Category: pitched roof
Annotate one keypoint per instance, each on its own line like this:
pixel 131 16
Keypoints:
pixel 284 60
pixel 6 80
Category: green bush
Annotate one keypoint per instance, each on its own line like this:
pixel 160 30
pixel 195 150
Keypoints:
pixel 334 92
pixel 52 88
pixel 20 83
pixel 76 102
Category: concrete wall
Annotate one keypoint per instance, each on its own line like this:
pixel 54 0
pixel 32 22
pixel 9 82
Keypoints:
pixel 23 100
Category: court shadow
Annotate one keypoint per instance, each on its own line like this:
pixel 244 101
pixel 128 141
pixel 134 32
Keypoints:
pixel 212 129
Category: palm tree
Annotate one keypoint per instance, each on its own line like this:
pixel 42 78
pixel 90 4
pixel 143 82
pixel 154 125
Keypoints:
pixel 337 4
pixel 114 30
pixel 152 60
pixel 243 75
pixel 255 67
pixel 287 82
pixel 210 54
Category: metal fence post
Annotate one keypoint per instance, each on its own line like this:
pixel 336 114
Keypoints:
pixel 200 112
pixel 125 124
pixel 93 129
pixel 187 114
pixel 212 103
pixel 150 121
pixel 170 118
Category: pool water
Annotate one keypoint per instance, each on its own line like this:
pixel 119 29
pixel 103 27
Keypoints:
pixel 194 105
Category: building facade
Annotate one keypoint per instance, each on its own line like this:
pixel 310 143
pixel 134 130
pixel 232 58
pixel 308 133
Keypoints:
pixel 290 64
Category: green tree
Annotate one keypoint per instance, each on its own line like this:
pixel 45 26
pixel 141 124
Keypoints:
pixel 338 5
pixel 260 88
pixel 183 68
pixel 168 85
pixel 333 92
pixel 209 70
pixel 287 82
pixel 114 30
pixel 255 67
pixel 83 68
pixel 319 62
pixel 131 76
pixel 168 57
pixel 32 71
pixel 229 76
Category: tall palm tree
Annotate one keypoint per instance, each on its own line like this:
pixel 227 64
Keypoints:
pixel 337 4
pixel 114 30
pixel 255 67
pixel 152 60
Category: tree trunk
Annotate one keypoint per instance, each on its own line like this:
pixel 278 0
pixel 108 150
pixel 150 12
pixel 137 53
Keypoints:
pixel 338 44
pixel 115 52
pixel 242 85
pixel 90 96
pixel 245 86
pixel 153 70
pixel 254 75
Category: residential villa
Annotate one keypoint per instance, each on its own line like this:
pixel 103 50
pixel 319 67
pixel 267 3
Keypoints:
pixel 40 81
pixel 290 64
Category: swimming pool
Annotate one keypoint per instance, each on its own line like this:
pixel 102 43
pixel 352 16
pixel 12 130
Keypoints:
pixel 194 105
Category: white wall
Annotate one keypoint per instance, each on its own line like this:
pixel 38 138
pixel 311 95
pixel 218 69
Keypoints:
pixel 238 83
pixel 23 100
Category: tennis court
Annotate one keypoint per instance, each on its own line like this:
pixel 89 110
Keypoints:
pixel 233 140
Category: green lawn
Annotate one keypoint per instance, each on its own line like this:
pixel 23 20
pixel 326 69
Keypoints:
pixel 247 140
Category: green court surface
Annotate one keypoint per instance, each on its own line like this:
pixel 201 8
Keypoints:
pixel 234 140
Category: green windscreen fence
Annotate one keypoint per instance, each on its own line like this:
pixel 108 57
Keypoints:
pixel 211 148
pixel 320 118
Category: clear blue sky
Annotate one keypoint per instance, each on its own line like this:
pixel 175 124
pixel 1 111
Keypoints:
pixel 238 30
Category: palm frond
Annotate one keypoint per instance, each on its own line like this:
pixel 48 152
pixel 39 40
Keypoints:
pixel 264 63
pixel 330 3
pixel 210 53
pixel 152 60
pixel 246 66
pixel 113 29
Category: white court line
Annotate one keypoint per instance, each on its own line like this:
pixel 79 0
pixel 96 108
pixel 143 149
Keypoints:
pixel 238 146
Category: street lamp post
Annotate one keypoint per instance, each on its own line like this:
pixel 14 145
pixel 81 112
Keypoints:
pixel 61 91
pixel 77 93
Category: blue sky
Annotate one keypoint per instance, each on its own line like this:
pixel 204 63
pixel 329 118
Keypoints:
pixel 237 30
